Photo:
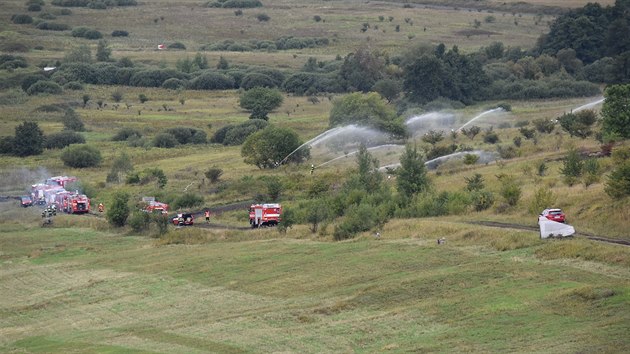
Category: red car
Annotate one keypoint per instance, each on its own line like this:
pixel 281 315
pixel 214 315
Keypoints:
pixel 26 201
pixel 554 215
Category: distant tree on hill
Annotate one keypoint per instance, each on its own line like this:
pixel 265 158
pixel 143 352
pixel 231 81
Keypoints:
pixel 260 101
pixel 616 111
pixel 29 140
pixel 103 51
pixel 118 212
pixel 411 177
pixel 270 146
pixel 367 110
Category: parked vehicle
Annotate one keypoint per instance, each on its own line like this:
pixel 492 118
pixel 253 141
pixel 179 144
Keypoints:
pixel 554 214
pixel 26 201
pixel 183 219
pixel 153 206
pixel 264 215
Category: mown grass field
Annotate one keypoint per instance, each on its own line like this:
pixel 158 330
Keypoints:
pixel 84 286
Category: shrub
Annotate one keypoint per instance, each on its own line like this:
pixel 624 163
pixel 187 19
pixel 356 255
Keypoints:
pixel 34 7
pixel 29 140
pixel 126 133
pixel 118 212
pixel 591 172
pixel 185 135
pixel 44 86
pixel 165 140
pixel 482 200
pixel 21 19
pixel 510 189
pixel 490 137
pixel 252 80
pixel 187 200
pixel 62 139
pixel 93 34
pixel 212 81
pixel 117 96
pixel 154 77
pixel 263 17
pixel 177 45
pixel 543 198
pixel 139 220
pixel 52 26
pixel 213 174
pixel 148 175
pixel 237 135
pixel 618 184
pixel 6 145
pixel 572 167
pixel 544 125
pixel 474 183
pixel 73 85
pixel 173 84
pixel 80 156
pixel 72 121
pixel 120 33
pixel 79 31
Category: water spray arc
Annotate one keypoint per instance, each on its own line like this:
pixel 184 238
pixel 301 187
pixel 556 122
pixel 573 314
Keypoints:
pixel 588 105
pixel 356 151
pixel 490 111
pixel 315 140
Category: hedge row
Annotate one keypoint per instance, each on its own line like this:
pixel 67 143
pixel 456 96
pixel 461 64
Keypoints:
pixel 282 43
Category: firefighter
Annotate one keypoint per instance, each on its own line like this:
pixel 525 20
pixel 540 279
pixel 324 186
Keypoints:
pixel 312 169
pixel 207 214
pixel 101 207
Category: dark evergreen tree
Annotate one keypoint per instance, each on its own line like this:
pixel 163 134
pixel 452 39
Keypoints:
pixel 29 140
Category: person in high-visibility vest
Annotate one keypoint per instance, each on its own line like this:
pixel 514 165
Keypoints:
pixel 312 169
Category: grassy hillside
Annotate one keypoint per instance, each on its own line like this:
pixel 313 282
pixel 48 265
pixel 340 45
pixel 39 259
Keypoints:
pixel 84 286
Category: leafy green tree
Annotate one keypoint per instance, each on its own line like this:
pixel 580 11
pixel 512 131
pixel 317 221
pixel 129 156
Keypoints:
pixel 362 69
pixel 274 188
pixel 260 101
pixel 29 140
pixel 389 89
pixel 412 175
pixel 572 167
pixel 366 110
pixel 618 184
pixel 424 79
pixel 543 198
pixel 118 212
pixel 271 146
pixel 369 176
pixel 103 51
pixel 317 211
pixel 616 111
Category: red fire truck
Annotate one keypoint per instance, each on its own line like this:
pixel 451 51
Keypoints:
pixel 77 204
pixel 44 194
pixel 264 215
pixel 153 206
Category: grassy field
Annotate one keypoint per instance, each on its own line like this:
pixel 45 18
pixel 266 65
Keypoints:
pixel 83 286
pixel 75 289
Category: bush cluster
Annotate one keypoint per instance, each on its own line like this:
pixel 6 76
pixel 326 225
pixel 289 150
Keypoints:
pixel 85 32
pixel 62 139
pixel 81 155
pixel 93 4
pixel 44 86
pixel 8 61
pixel 232 4
pixel 231 135
pixel 120 33
pixel 282 43
pixel 185 135
pixel 52 26
pixel 21 19
pixel 125 133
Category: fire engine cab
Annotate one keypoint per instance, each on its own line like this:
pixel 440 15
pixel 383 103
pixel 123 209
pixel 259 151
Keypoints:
pixel 74 203
pixel 264 215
